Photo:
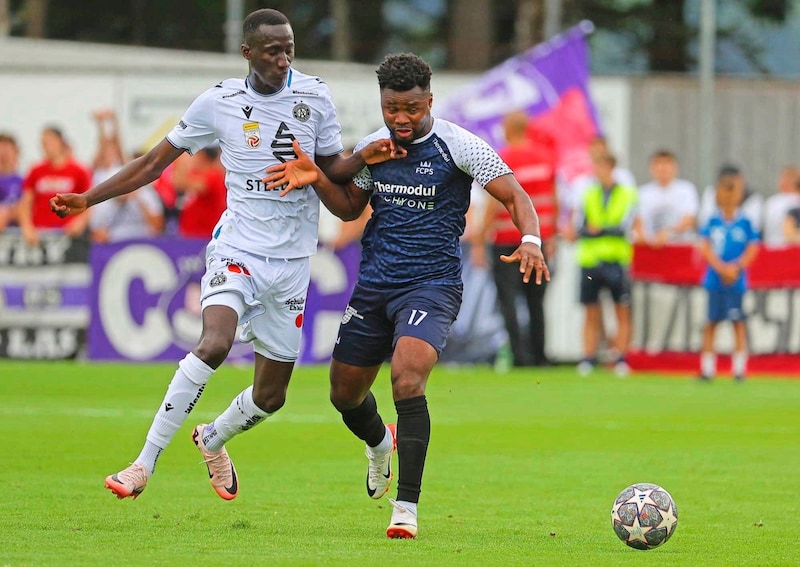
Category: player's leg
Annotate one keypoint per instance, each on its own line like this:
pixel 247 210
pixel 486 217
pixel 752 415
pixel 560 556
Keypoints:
pixel 183 392
pixel 423 318
pixel 364 342
pixel 276 334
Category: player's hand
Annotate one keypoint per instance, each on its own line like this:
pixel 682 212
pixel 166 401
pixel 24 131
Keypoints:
pixel 68 204
pixel 530 259
pixel 292 174
pixel 382 150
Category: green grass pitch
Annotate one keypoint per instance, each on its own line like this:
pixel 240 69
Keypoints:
pixel 522 470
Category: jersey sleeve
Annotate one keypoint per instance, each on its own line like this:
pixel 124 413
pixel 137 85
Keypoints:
pixel 475 157
pixel 363 179
pixel 196 129
pixel 329 137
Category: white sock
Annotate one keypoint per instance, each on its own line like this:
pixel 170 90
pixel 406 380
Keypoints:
pixel 708 364
pixel 739 363
pixel 384 446
pixel 241 415
pixel 182 394
pixel 410 506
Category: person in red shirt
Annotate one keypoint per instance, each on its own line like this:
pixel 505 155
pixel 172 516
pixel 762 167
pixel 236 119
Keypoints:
pixel 57 173
pixel 201 178
pixel 532 156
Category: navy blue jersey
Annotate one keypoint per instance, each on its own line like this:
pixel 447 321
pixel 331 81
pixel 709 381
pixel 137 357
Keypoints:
pixel 419 206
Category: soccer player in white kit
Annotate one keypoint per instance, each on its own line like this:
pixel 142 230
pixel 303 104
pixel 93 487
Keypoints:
pixel 257 267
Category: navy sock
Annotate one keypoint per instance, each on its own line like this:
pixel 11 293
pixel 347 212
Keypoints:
pixel 365 422
pixel 413 434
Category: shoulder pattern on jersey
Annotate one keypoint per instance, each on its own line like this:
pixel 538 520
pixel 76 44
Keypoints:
pixel 379 134
pixel 471 153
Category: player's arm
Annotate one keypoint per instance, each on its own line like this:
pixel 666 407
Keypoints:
pixel 708 254
pixel 507 190
pixel 135 174
pixel 340 169
pixel 346 201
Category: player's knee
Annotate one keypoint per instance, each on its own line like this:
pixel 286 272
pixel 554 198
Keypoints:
pixel 407 386
pixel 213 349
pixel 343 397
pixel 269 399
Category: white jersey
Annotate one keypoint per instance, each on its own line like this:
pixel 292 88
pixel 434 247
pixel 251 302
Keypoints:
pixel 255 131
pixel 665 207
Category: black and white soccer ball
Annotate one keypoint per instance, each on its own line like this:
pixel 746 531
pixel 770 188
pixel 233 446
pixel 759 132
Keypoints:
pixel 644 516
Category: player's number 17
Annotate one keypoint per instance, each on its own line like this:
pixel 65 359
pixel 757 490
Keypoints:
pixel 417 315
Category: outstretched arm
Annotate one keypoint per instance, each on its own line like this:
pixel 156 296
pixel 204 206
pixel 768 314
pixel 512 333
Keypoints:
pixel 135 174
pixel 345 200
pixel 510 193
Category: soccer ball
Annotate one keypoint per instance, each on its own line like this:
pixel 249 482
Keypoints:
pixel 644 516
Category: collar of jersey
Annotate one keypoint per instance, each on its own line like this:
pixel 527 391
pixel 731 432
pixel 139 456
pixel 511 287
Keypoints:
pixel 255 92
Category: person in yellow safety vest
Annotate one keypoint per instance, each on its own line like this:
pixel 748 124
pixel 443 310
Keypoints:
pixel 603 221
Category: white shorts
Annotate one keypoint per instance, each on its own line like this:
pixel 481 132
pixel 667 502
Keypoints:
pixel 269 295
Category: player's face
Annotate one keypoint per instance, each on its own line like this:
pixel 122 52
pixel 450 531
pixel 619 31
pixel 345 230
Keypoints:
pixel 407 114
pixel 270 51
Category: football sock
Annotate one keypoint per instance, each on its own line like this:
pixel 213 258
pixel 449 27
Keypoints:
pixel 410 506
pixel 241 415
pixel 413 435
pixel 708 364
pixel 182 394
pixel 365 422
pixel 739 363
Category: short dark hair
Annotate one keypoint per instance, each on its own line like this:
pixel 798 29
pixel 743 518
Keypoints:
pixel 6 137
pixel 403 72
pixel 263 17
pixel 663 153
pixel 728 170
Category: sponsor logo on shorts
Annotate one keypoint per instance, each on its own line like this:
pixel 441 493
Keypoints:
pixel 298 321
pixel 218 279
pixel 349 313
pixel 236 267
pixel 301 112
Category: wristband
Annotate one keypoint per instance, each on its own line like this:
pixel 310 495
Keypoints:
pixel 532 239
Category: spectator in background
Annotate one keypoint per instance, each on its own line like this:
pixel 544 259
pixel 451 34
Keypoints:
pixel 201 178
pixel 752 204
pixel 777 206
pixel 571 194
pixel 729 245
pixel 57 173
pixel 139 214
pixel 109 157
pixel 668 205
pixel 604 252
pixel 531 155
pixel 10 179
pixel 791 223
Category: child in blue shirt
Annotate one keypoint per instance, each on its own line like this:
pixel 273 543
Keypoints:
pixel 729 245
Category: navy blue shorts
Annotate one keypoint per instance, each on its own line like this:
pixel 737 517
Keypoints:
pixel 613 277
pixel 725 305
pixel 376 318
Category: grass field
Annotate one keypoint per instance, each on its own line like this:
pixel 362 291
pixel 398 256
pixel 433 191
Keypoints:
pixel 522 470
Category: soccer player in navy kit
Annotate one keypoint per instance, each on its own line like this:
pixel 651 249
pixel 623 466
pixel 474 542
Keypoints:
pixel 409 287
pixel 258 259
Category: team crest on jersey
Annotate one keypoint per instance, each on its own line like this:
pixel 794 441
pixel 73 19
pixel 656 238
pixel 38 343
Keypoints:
pixel 252 134
pixel 301 112
pixel 218 280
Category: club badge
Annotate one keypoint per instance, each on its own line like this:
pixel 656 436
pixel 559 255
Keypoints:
pixel 252 134
pixel 301 112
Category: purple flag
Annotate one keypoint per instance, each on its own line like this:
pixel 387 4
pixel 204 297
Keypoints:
pixel 550 82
